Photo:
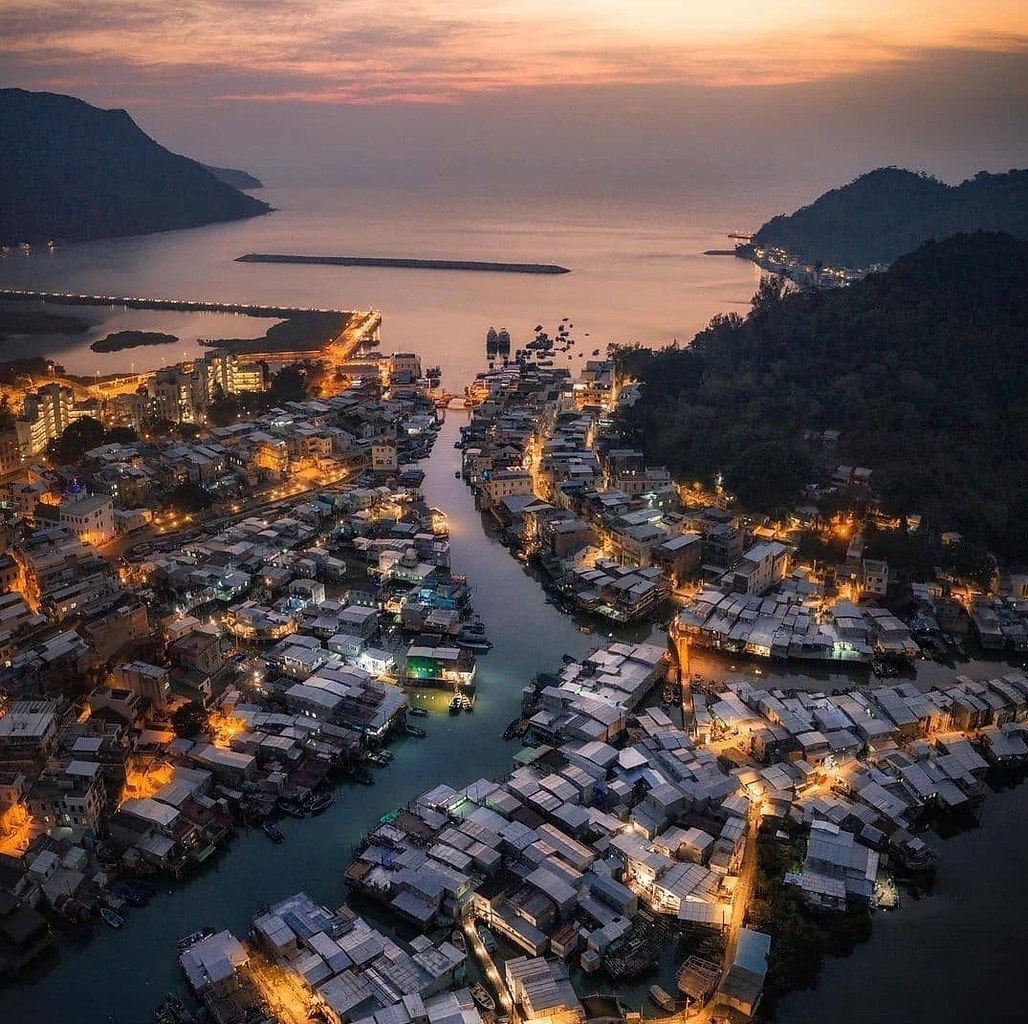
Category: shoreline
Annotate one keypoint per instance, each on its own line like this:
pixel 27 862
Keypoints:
pixel 404 263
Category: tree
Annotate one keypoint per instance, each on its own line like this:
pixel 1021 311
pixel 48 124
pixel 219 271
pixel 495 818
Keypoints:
pixel 190 498
pixel 190 719
pixel 223 411
pixel 76 439
pixel 289 384
pixel 121 435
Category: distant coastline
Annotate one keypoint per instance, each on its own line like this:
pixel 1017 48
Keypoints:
pixel 405 264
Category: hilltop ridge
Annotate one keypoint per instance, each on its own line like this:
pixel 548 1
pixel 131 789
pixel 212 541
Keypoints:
pixel 890 211
pixel 71 171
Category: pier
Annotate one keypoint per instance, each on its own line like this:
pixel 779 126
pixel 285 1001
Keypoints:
pixel 177 305
pixel 405 263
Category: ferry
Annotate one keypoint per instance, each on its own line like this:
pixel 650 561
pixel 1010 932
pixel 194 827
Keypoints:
pixel 111 918
pixel 482 998
pixel 662 999
pixel 273 832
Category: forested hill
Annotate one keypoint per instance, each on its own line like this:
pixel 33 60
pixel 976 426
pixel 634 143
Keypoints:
pixel 889 212
pixel 71 171
pixel 922 368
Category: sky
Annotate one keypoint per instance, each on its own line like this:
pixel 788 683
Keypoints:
pixel 600 94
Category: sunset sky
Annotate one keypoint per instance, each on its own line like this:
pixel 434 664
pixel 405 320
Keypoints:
pixel 204 75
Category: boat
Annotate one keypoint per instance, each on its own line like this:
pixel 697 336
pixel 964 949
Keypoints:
pixel 418 712
pixel 482 998
pixel 321 803
pixel 474 643
pixel 413 730
pixel 273 832
pixel 456 475
pixel 291 807
pixel 363 776
pixel 376 758
pixel 458 940
pixel 188 941
pixel 662 999
pixel 487 937
pixel 173 1011
pixel 456 704
pixel 596 351
pixel 111 918
pixel 512 730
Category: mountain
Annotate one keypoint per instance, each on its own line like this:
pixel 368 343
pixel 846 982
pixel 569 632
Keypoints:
pixel 889 211
pixel 71 171
pixel 241 180
pixel 921 368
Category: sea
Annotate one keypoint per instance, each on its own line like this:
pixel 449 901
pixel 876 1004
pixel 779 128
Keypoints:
pixel 638 276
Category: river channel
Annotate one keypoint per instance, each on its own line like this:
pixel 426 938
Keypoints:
pixel 120 976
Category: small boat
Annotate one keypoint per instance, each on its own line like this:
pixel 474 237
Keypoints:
pixel 291 807
pixel 173 1011
pixel 418 712
pixel 456 475
pixel 188 941
pixel 458 940
pixel 363 776
pixel 413 730
pixel 376 758
pixel 662 999
pixel 596 351
pixel 321 803
pixel 487 937
pixel 482 998
pixel 111 918
pixel 512 730
pixel 273 832
pixel 456 704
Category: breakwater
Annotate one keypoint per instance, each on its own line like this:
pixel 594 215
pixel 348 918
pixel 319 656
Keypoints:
pixel 178 305
pixel 405 264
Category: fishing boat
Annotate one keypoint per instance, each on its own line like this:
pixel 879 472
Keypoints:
pixel 512 730
pixel 482 998
pixel 418 712
pixel 273 832
pixel 321 803
pixel 291 807
pixel 662 999
pixel 111 918
pixel 376 758
pixel 487 937
pixel 457 938
pixel 188 941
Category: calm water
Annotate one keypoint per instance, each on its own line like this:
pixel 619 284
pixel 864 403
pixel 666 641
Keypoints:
pixel 638 272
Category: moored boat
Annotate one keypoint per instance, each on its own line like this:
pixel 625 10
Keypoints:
pixel 414 730
pixel 482 997
pixel 662 999
pixel 111 918
pixel 417 712
pixel 320 803
pixel 188 941
pixel 487 937
pixel 458 940
pixel 273 832
pixel 291 807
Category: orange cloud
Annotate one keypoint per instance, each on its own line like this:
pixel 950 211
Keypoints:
pixel 431 51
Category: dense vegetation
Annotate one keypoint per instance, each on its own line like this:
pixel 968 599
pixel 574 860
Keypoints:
pixel 800 937
pixel 922 368
pixel 29 321
pixel 303 331
pixel 131 339
pixel 889 211
pixel 83 435
pixel 71 171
